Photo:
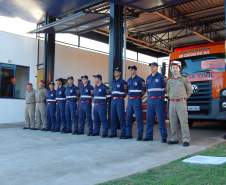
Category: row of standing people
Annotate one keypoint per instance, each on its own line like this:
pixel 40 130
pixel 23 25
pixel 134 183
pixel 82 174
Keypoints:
pixel 66 114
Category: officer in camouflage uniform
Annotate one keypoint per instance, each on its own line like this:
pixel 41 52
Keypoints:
pixel 40 109
pixel 179 89
pixel 30 108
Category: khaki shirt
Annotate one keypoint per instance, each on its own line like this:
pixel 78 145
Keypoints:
pixel 30 96
pixel 40 95
pixel 178 88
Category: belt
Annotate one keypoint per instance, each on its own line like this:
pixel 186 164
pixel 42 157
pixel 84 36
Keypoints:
pixel 100 98
pixel 51 100
pixel 86 101
pixel 85 96
pixel 117 97
pixel 71 97
pixel 178 100
pixel 134 97
pixel 155 97
pixel 40 102
pixel 30 103
pixel 102 103
pixel 60 99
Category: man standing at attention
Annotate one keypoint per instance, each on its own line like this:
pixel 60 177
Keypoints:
pixel 101 92
pixel 51 107
pixel 71 109
pixel 85 105
pixel 136 89
pixel 60 106
pixel 118 93
pixel 156 91
pixel 40 109
pixel 30 108
pixel 179 89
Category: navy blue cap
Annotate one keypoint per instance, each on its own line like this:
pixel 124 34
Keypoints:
pixel 154 64
pixel 117 69
pixel 132 67
pixel 70 78
pixel 84 76
pixel 51 83
pixel 60 79
pixel 98 76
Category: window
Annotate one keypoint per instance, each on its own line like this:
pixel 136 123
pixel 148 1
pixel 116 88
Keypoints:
pixel 203 64
pixel 13 80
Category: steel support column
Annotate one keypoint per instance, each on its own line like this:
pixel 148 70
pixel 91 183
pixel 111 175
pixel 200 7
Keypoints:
pixel 49 52
pixel 115 38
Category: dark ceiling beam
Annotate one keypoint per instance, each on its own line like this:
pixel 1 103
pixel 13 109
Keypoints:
pixel 141 43
pixel 174 27
pixel 130 46
pixel 160 7
pixel 178 37
pixel 174 16
pixel 216 10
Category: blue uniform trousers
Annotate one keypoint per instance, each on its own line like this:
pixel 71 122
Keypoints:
pixel 100 117
pixel 51 116
pixel 85 113
pixel 134 106
pixel 118 113
pixel 156 107
pixel 60 116
pixel 71 116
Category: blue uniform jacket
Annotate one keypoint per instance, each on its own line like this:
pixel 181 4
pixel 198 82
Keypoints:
pixel 71 93
pixel 86 92
pixel 51 96
pixel 136 86
pixel 60 93
pixel 101 93
pixel 156 85
pixel 119 88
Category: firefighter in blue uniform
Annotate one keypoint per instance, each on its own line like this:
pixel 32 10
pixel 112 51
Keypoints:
pixel 136 89
pixel 155 84
pixel 85 105
pixel 72 93
pixel 51 107
pixel 60 106
pixel 101 93
pixel 118 93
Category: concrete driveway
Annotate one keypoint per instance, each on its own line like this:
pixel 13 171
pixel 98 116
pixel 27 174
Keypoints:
pixel 44 158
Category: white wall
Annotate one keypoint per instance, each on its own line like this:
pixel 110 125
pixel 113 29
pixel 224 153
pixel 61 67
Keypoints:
pixel 19 50
pixel 69 61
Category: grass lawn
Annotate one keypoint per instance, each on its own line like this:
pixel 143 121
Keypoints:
pixel 179 173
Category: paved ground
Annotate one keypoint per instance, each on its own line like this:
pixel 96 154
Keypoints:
pixel 44 158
